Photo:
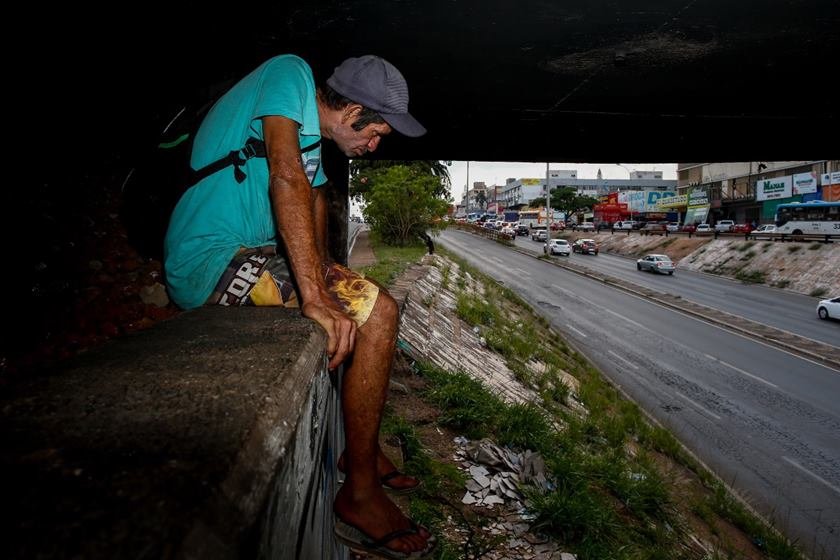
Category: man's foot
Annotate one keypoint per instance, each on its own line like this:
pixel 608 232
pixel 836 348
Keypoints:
pixel 391 478
pixel 375 516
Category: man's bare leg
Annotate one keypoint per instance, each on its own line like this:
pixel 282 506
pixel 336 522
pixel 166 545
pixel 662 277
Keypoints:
pixel 384 466
pixel 361 501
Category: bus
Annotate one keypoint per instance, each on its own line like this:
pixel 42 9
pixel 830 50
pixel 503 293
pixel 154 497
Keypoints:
pixel 529 218
pixel 808 218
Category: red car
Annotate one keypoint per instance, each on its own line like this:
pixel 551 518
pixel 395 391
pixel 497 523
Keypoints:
pixel 689 228
pixel 741 228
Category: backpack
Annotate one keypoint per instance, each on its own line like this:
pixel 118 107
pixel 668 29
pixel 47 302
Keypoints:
pixel 152 188
pixel 161 175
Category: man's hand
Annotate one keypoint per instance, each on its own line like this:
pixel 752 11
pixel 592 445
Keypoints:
pixel 340 328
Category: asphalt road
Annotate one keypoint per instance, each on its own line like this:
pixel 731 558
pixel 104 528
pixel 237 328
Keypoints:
pixel 766 421
pixel 781 309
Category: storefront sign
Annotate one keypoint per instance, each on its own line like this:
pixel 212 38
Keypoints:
pixel 805 183
pixel 698 197
pixel 769 189
pixel 830 179
pixel 654 198
pixel 678 201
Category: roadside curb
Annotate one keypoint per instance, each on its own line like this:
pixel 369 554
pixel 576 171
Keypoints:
pixel 795 344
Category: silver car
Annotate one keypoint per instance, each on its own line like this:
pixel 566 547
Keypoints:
pixel 558 247
pixel 656 263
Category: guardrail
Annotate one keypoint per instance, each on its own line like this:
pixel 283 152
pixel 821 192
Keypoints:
pixel 821 238
pixel 493 234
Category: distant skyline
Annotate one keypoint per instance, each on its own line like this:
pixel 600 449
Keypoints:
pixel 496 172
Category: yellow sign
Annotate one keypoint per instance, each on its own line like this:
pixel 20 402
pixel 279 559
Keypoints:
pixel 678 201
pixel 532 181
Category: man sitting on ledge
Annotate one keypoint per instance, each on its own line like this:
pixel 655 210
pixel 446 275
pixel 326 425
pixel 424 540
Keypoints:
pixel 222 248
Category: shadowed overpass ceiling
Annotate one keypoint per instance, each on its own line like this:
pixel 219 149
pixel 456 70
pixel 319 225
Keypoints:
pixel 626 80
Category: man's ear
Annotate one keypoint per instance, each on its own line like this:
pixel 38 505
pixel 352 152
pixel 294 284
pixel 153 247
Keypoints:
pixel 351 111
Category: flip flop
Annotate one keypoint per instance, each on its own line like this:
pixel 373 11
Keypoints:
pixel 359 540
pixel 388 488
pixel 398 491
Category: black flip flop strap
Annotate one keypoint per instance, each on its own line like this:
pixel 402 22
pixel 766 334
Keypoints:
pixel 391 536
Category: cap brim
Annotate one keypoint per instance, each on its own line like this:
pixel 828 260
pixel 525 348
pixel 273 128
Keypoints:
pixel 405 124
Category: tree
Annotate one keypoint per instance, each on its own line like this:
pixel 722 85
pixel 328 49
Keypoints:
pixel 402 204
pixel 566 199
pixel 363 174
pixel 481 199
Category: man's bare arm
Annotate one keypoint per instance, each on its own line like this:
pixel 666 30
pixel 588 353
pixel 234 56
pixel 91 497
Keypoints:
pixel 319 209
pixel 291 201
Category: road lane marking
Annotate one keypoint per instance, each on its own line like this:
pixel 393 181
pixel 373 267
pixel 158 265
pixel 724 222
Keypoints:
pixel 699 406
pixel 739 370
pixel 815 476
pixel 629 363
pixel 631 321
pixel 497 260
pixel 577 331
pixel 526 273
pixel 565 291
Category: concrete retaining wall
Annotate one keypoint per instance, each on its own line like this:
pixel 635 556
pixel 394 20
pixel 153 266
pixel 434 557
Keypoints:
pixel 212 435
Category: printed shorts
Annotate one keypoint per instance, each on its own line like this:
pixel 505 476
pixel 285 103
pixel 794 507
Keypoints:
pixel 260 277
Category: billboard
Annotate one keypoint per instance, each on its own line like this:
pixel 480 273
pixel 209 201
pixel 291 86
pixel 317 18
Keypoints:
pixel 805 183
pixel 771 189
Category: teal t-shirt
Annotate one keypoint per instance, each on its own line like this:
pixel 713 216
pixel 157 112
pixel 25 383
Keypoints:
pixel 218 216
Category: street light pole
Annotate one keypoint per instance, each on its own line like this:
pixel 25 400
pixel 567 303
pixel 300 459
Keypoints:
pixel 547 206
pixel 629 177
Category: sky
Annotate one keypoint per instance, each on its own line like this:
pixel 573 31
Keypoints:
pixel 496 172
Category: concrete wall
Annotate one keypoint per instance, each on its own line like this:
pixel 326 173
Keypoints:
pixel 212 435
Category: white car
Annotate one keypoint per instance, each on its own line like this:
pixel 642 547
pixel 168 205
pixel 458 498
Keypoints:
pixel 829 308
pixel 538 235
pixel 585 226
pixel 766 231
pixel 723 226
pixel 625 224
pixel 673 226
pixel 703 228
pixel 557 247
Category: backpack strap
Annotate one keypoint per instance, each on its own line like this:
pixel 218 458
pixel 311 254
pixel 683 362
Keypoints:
pixel 237 158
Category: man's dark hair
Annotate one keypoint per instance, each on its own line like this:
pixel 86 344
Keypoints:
pixel 335 100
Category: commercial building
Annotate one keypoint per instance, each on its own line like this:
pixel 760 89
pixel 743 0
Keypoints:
pixel 750 191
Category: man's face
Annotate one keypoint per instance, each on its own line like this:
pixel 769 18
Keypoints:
pixel 356 143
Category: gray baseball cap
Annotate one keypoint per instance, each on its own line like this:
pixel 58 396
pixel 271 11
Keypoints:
pixel 375 83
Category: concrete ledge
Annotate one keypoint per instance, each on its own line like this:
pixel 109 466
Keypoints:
pixel 212 435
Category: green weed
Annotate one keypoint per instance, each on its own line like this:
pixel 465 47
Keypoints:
pixel 818 292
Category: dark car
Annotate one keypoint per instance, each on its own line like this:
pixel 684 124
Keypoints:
pixel 521 229
pixel 585 247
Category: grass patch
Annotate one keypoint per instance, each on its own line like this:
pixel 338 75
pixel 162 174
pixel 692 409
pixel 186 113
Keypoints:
pixel 748 255
pixel 815 246
pixel 794 248
pixel 745 246
pixel 751 277
pixel 444 277
pixel 391 261
pixel 818 292
pixel 781 283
